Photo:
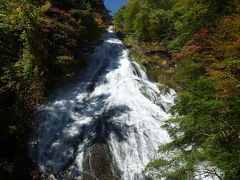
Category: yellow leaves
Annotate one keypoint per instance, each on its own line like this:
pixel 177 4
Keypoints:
pixel 68 65
pixel 226 40
pixel 21 15
pixel 228 88
pixel 19 9
pixel 224 47
pixel 164 62
pixel 45 7
pixel 217 74
pixel 64 59
pixel 178 25
pixel 101 24
pixel 226 83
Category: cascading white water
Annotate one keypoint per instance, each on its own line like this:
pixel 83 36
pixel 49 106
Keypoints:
pixel 113 103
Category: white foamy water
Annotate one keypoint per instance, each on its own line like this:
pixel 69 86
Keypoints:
pixel 112 103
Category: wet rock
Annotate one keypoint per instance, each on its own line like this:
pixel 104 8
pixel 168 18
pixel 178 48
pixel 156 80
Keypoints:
pixel 98 164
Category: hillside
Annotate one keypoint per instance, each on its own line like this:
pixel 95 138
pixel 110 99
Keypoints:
pixel 42 43
pixel 193 47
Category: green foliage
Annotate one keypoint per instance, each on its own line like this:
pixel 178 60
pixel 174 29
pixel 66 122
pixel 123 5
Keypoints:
pixel 137 19
pixel 41 43
pixel 92 5
pixel 206 127
pixel 203 39
pixel 119 19
pixel 176 20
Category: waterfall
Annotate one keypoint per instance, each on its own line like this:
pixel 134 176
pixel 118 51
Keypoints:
pixel 107 125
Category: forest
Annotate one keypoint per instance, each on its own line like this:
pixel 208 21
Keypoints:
pixel 42 43
pixel 193 46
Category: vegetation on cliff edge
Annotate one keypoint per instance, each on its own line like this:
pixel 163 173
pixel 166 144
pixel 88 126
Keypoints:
pixel 41 42
pixel 202 42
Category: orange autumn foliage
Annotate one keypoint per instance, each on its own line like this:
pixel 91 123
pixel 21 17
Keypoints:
pixel 224 46
pixel 194 45
pixel 218 51
pixel 226 39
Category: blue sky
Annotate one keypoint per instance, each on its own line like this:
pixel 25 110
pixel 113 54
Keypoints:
pixel 114 5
